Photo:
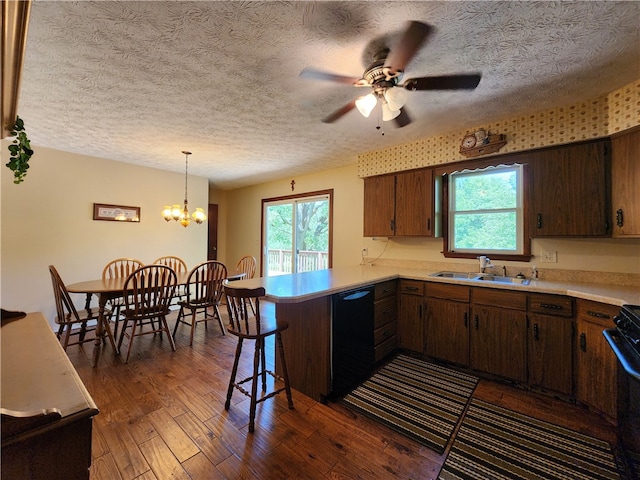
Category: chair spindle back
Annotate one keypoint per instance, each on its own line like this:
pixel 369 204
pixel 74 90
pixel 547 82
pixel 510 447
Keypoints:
pixel 238 307
pixel 148 291
pixel 204 286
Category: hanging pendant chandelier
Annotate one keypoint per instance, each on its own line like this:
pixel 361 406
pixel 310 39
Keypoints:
pixel 178 213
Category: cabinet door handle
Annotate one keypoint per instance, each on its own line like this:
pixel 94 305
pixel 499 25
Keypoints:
pixel 392 225
pixel 551 306
pixel 598 314
pixel 428 224
pixel 466 319
pixel 539 220
pixel 583 342
pixel 419 311
pixel 411 289
pixel 619 217
pixel 477 321
pixel 536 332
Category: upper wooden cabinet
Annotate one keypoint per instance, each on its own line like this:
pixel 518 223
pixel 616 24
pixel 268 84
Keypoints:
pixel 414 203
pixel 379 206
pixel 569 190
pixel 400 204
pixel 625 181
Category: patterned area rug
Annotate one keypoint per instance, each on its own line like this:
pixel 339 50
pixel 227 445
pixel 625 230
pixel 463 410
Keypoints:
pixel 497 443
pixel 419 399
pixel 634 461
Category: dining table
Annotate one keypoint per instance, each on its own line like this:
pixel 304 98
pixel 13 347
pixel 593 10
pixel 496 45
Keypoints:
pixel 107 289
pixel 110 288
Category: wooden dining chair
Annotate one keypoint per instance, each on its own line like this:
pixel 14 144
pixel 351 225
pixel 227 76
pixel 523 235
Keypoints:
pixel 179 266
pixel 147 295
pixel 118 268
pixel 247 265
pixel 73 323
pixel 256 328
pixel 203 293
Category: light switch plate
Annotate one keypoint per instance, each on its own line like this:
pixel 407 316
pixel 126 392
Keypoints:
pixel 548 257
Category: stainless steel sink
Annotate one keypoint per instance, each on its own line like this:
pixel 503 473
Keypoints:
pixel 501 279
pixel 485 277
pixel 465 275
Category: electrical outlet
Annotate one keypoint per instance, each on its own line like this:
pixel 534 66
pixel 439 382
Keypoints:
pixel 548 257
pixel 365 252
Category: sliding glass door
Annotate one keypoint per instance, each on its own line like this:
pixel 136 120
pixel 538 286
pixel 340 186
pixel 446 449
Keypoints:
pixel 297 233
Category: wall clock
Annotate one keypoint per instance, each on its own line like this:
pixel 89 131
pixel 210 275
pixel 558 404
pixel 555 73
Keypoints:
pixel 481 143
pixel 469 141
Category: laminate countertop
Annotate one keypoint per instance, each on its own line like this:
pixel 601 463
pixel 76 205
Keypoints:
pixel 300 287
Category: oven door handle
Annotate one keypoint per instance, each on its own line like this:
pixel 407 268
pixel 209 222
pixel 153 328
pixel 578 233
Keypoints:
pixel 629 359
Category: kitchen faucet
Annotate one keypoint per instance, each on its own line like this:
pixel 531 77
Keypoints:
pixel 485 262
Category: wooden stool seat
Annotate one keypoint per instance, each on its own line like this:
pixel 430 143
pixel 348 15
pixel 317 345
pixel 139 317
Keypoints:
pixel 256 328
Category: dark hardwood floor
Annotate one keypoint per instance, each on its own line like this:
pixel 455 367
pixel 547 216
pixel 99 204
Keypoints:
pixel 162 417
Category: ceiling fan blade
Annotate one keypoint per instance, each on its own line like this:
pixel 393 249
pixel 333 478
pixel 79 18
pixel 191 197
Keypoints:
pixel 410 42
pixel 403 119
pixel 320 75
pixel 445 82
pixel 340 112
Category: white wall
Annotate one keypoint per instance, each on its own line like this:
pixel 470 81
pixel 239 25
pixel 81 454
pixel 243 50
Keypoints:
pixel 48 220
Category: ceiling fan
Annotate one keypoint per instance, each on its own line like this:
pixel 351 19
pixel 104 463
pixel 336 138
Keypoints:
pixel 384 77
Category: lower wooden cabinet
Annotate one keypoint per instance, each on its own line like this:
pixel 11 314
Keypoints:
pixel 411 316
pixel 447 323
pixel 596 364
pixel 498 333
pixel 549 336
pixel 549 353
pixel 498 343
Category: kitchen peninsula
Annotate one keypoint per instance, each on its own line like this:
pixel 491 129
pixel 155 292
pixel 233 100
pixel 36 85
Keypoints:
pixel 304 300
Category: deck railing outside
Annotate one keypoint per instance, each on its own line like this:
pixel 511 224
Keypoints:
pixel 280 261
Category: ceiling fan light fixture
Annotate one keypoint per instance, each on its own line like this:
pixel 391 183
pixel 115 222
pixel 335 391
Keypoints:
pixel 396 98
pixel 388 113
pixel 366 104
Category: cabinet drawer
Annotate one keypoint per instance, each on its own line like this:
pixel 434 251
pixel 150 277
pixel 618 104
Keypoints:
pixel 383 333
pixel 495 297
pixel 412 287
pixel 596 312
pixel 455 293
pixel 385 348
pixel 385 289
pixel 385 311
pixel 551 305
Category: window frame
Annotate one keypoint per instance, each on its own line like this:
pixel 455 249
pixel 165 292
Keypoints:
pixel 472 166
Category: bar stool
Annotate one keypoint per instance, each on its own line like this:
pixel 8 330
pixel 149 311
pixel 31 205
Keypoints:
pixel 258 329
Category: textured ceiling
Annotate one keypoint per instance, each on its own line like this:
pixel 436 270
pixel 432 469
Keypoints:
pixel 140 81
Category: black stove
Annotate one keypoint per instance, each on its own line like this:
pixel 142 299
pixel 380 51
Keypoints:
pixel 625 338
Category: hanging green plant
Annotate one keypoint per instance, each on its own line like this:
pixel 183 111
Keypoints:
pixel 20 150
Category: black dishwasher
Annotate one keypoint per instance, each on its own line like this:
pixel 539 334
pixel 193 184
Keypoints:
pixel 352 348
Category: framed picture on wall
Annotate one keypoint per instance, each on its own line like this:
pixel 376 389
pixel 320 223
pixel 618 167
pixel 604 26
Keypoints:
pixel 115 213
